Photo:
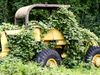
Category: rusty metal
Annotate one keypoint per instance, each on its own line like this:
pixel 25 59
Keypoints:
pixel 23 12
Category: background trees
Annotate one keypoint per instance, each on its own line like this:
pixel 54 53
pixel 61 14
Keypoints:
pixel 87 11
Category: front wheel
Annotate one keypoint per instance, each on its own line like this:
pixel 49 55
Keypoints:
pixel 49 58
pixel 93 55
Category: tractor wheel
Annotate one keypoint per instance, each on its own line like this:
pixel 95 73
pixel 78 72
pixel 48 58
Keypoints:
pixel 49 58
pixel 93 55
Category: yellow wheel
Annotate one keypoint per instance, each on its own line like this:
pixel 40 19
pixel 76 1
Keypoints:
pixel 96 60
pixel 49 58
pixel 51 62
pixel 93 55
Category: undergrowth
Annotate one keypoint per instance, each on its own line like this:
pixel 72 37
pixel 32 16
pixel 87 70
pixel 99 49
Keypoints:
pixel 14 66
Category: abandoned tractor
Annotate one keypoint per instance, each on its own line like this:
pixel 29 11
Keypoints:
pixel 46 57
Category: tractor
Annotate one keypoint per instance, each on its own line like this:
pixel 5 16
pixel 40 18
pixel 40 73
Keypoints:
pixel 51 57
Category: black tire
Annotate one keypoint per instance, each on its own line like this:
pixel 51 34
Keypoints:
pixel 92 51
pixel 45 55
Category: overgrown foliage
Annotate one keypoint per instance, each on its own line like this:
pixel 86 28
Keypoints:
pixel 23 45
pixel 66 22
pixel 14 66
pixel 87 11
pixel 78 39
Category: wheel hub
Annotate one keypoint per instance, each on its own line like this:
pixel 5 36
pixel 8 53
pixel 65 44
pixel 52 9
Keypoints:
pixel 51 62
pixel 96 60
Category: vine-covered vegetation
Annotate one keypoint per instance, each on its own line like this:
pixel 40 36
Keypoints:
pixel 24 46
pixel 14 66
pixel 78 38
pixel 87 11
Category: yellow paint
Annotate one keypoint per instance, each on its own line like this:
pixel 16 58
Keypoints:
pixel 37 33
pixel 51 35
pixel 12 32
pixel 51 63
pixel 56 35
pixel 4 45
pixel 60 42
pixel 63 55
pixel 93 42
pixel 4 42
pixel 96 60
pixel 58 46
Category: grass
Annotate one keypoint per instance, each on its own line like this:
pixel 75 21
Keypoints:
pixel 17 67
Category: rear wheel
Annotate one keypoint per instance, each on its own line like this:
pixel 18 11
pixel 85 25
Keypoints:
pixel 49 58
pixel 93 55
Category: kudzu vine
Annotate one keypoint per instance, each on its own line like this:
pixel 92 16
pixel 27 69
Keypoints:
pixel 25 47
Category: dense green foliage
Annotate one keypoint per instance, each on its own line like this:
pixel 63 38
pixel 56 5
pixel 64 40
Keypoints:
pixel 66 22
pixel 78 39
pixel 23 46
pixel 87 11
pixel 15 66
